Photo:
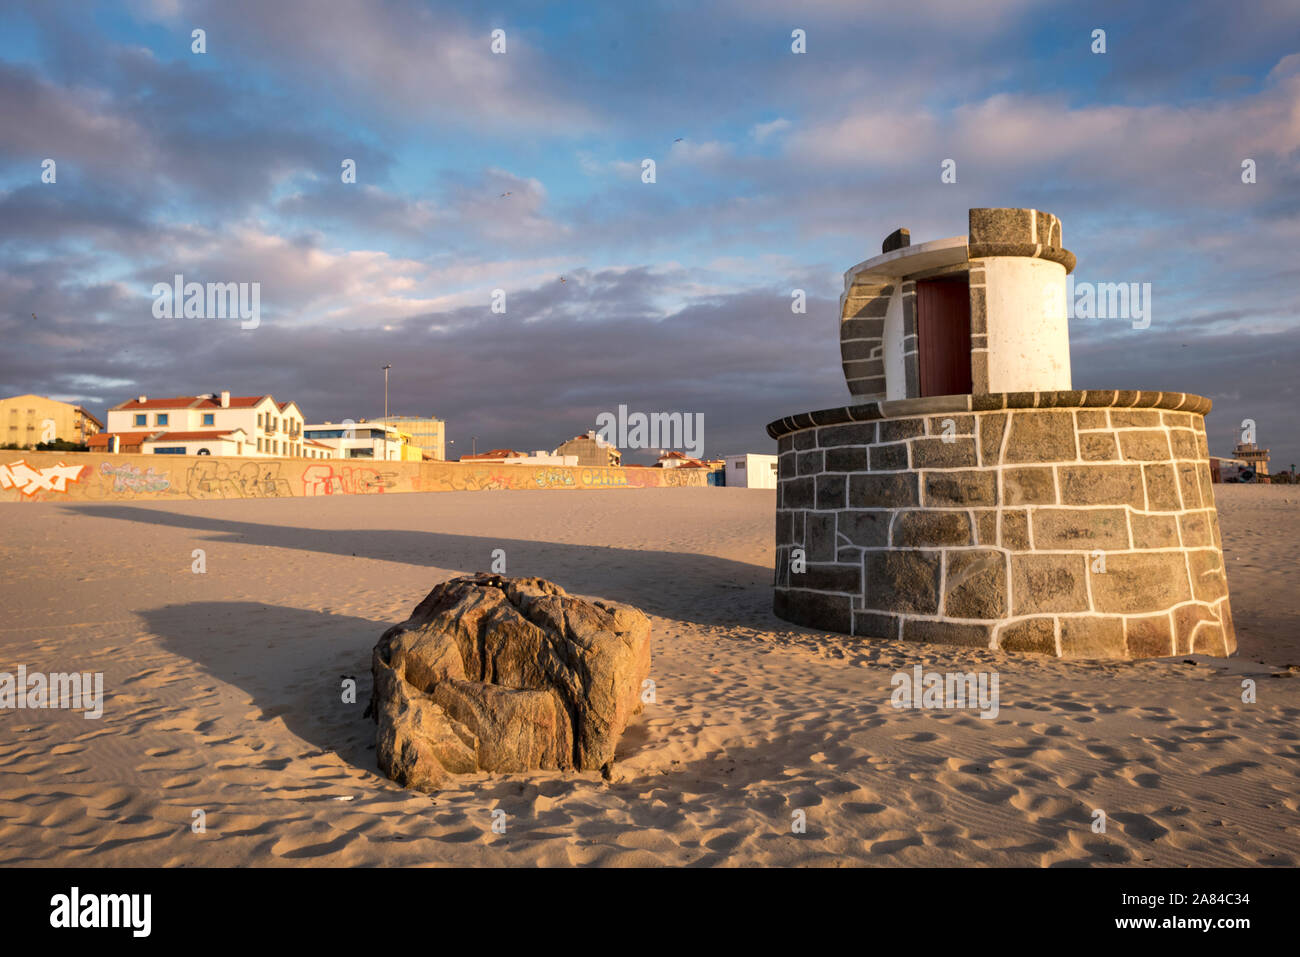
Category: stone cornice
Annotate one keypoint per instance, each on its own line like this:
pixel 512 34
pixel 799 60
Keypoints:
pixel 992 402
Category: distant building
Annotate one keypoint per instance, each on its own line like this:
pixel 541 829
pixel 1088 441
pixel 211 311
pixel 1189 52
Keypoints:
pixel 1256 459
pixel 511 457
pixel 680 460
pixel 26 420
pixel 592 451
pixel 674 459
pixel 1224 469
pixel 209 424
pixel 363 440
pixel 751 470
pixel 429 435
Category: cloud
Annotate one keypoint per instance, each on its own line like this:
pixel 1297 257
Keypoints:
pixel 404 60
pixel 761 131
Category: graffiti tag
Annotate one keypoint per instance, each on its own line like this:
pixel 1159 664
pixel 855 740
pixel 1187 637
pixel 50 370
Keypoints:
pixel 549 478
pixel 346 480
pixel 29 481
pixel 248 480
pixel 131 478
pixel 603 478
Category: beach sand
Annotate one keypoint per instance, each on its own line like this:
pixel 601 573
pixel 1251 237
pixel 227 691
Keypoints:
pixel 223 696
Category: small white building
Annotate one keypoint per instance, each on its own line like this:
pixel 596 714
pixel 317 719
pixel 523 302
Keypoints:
pixel 359 440
pixel 751 470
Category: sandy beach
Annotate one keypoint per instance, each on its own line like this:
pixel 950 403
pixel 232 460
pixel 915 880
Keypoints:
pixel 222 696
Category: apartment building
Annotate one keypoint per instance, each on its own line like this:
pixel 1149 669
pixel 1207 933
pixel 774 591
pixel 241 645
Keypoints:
pixel 28 419
pixel 429 435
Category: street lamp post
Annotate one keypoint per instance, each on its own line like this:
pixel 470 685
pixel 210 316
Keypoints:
pixel 385 440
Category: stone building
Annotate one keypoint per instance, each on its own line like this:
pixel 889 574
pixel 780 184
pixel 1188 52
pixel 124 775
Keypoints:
pixel 969 495
pixel 592 451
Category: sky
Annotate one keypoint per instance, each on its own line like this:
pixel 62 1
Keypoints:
pixel 521 171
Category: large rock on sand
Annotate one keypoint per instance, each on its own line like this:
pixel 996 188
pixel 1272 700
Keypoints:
pixel 506 674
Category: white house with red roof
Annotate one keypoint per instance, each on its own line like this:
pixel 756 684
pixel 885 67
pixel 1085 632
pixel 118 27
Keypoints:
pixel 211 424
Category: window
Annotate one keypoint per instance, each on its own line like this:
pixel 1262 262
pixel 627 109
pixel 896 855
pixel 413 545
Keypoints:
pixel 209 418
pixel 259 444
pixel 170 450
pixel 259 420
pixel 740 464
pixel 142 420
pixel 160 418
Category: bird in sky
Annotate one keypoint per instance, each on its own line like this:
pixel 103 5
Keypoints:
pixel 678 140
pixel 505 194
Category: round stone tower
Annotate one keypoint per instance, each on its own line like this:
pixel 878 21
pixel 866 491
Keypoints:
pixel 968 495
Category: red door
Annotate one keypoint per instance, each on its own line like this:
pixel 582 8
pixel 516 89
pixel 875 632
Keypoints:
pixel 943 336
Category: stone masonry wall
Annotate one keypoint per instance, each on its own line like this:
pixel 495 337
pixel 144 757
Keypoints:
pixel 1076 524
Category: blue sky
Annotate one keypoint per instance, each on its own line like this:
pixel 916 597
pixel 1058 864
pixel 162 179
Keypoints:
pixel 775 171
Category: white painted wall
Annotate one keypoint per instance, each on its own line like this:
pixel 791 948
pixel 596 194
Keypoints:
pixel 1028 333
pixel 895 369
pixel 214 446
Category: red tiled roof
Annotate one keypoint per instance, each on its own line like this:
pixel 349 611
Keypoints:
pixel 128 438
pixel 189 436
pixel 236 402
pixel 494 454
pixel 192 402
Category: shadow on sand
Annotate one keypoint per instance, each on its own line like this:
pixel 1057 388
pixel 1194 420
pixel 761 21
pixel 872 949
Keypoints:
pixel 683 586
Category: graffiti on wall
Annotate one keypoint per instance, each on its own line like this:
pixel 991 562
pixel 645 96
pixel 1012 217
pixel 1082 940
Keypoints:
pixel 204 477
pixel 346 480
pixel 27 480
pixel 550 478
pixel 131 478
pixel 603 478
pixel 216 479
pixel 457 479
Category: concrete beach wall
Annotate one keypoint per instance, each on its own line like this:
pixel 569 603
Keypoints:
pixel 83 476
